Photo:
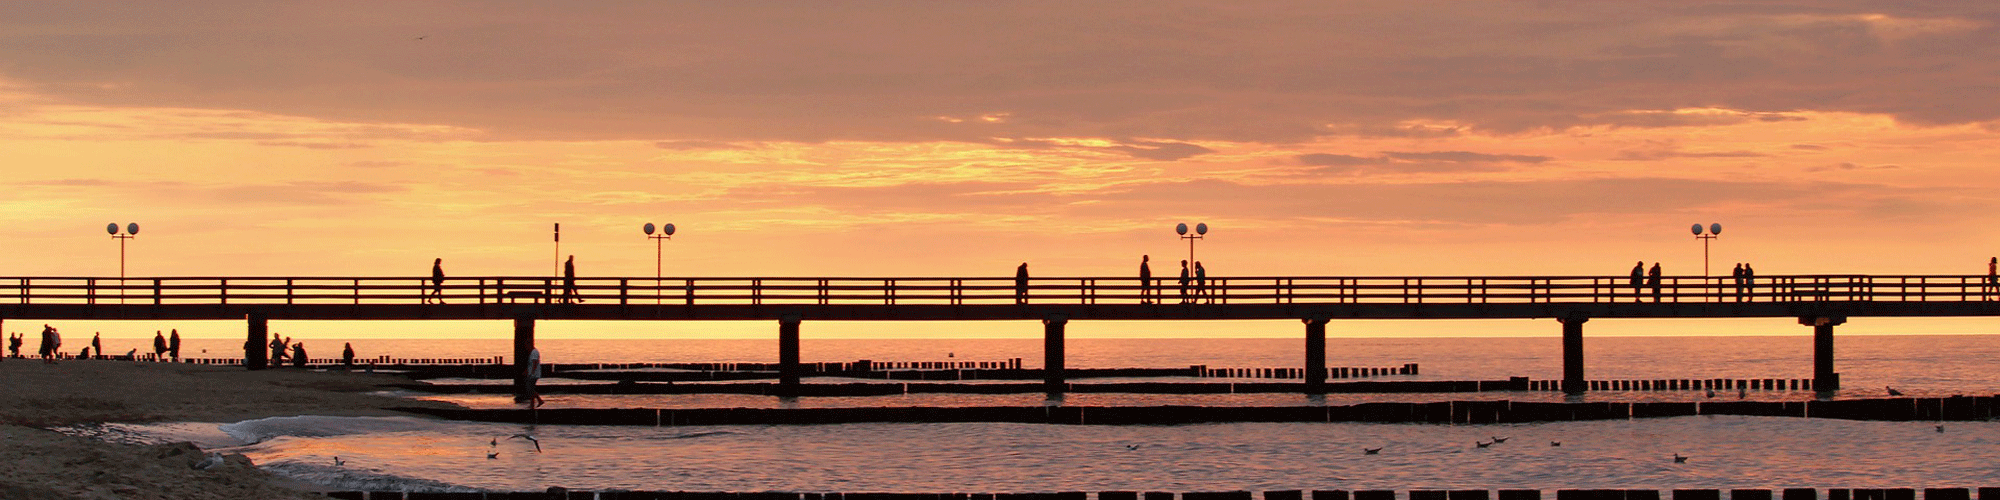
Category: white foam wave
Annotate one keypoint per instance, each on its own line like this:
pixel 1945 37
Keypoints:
pixel 260 430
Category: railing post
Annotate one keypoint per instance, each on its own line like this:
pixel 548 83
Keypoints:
pixel 90 291
pixel 222 291
pixel 690 292
pixel 288 291
pixel 624 291
pixel 156 291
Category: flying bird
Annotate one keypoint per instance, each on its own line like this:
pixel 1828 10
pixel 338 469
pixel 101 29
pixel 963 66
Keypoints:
pixel 531 439
pixel 1680 459
pixel 1372 451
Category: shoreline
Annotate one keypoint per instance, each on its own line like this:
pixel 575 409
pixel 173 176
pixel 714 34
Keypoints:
pixel 43 463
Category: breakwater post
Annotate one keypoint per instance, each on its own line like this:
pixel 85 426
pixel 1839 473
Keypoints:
pixel 1052 354
pixel 253 348
pixel 788 355
pixel 1824 378
pixel 1572 323
pixel 524 341
pixel 1316 355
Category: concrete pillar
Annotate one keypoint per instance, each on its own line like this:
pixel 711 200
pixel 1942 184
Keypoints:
pixel 1315 355
pixel 1573 381
pixel 1824 378
pixel 788 355
pixel 1052 354
pixel 524 341
pixel 257 347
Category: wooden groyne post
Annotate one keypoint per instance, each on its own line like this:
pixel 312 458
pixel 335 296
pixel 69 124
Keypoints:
pixel 788 355
pixel 524 341
pixel 1315 355
pixel 1052 354
pixel 1572 323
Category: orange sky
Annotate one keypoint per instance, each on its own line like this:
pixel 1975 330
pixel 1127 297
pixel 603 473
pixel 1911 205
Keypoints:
pixel 961 138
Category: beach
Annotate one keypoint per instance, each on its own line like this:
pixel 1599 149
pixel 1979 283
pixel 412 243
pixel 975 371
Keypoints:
pixel 42 463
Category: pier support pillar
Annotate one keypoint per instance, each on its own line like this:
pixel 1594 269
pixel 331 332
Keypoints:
pixel 256 347
pixel 1573 381
pixel 524 341
pixel 1053 376
pixel 1315 355
pixel 1824 378
pixel 788 355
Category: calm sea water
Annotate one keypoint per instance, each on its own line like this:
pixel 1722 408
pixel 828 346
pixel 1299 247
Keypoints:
pixel 412 453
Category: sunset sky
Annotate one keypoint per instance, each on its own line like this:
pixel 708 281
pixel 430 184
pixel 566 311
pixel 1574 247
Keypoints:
pixel 957 138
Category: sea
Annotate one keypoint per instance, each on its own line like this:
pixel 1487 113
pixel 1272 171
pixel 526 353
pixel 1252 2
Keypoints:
pixel 424 454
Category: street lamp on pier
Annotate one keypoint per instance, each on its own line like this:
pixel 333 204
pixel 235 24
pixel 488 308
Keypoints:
pixel 1714 230
pixel 659 240
pixel 1200 229
pixel 131 231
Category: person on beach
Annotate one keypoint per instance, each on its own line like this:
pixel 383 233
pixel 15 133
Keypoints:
pixel 14 344
pixel 299 355
pixel 437 282
pixel 569 281
pixel 174 345
pixel 159 345
pixel 1184 282
pixel 1201 284
pixel 96 344
pixel 277 352
pixel 51 344
pixel 1145 280
pixel 1638 280
pixel 1021 284
pixel 533 373
pixel 1653 278
pixel 347 355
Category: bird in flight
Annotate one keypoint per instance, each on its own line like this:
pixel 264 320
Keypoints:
pixel 531 439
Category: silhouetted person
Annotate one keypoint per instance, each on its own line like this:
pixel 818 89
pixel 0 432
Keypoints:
pixel 1021 284
pixel 277 352
pixel 1184 281
pixel 174 345
pixel 1653 278
pixel 84 354
pixel 299 355
pixel 1638 280
pixel 14 344
pixel 1146 294
pixel 96 343
pixel 569 281
pixel 1736 277
pixel 1993 276
pixel 159 344
pixel 1749 281
pixel 1201 284
pixel 437 282
pixel 347 354
pixel 51 342
pixel 533 372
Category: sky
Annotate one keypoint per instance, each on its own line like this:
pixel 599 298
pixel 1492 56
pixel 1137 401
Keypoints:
pixel 960 138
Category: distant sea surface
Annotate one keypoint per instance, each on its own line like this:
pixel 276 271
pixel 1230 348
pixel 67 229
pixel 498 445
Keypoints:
pixel 423 454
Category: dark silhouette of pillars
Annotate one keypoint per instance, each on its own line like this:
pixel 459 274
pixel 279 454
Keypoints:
pixel 524 341
pixel 1052 354
pixel 1315 355
pixel 1824 378
pixel 1573 382
pixel 788 355
pixel 256 347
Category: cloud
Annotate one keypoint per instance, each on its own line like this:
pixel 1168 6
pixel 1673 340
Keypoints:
pixel 1337 160
pixel 697 145
pixel 314 144
pixel 1162 151
pixel 1413 162
pixel 309 193
pixel 1466 157
pixel 1851 166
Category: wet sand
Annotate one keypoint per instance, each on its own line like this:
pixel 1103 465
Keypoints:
pixel 40 463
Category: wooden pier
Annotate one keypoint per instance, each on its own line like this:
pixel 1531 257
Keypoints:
pixel 1821 302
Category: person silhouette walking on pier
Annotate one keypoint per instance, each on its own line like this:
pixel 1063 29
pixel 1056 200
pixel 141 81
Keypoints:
pixel 1638 281
pixel 1201 284
pixel 1992 277
pixel 1021 284
pixel 1145 280
pixel 437 282
pixel 174 344
pixel 569 281
pixel 1184 281
pixel 1653 279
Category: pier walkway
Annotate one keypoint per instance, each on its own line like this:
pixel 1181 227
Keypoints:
pixel 1819 301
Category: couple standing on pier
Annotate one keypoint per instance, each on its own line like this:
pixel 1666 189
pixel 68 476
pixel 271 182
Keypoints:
pixel 1642 278
pixel 1196 281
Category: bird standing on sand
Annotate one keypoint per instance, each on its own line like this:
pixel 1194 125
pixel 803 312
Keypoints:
pixel 1680 459
pixel 213 460
pixel 531 439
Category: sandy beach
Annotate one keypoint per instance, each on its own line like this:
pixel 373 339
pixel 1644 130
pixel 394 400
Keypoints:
pixel 45 464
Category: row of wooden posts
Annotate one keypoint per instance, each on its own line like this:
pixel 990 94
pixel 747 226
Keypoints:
pixel 1713 384
pixel 559 493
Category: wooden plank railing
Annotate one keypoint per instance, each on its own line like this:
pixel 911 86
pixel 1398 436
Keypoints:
pixel 988 291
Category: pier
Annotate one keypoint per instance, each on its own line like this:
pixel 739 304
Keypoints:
pixel 1820 302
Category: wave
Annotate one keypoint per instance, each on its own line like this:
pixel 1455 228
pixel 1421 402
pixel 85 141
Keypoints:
pixel 264 429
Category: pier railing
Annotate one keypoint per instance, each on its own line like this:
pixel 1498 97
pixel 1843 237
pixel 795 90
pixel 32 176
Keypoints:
pixel 992 291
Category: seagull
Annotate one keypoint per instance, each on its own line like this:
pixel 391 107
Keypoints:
pixel 1498 439
pixel 1481 444
pixel 492 455
pixel 531 439
pixel 1555 443
pixel 1680 459
pixel 213 460
pixel 338 462
pixel 1372 451
pixel 1131 447
pixel 1893 391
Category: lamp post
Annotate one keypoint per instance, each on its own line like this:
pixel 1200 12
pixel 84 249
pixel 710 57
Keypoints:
pixel 1200 229
pixel 659 240
pixel 131 231
pixel 1714 230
